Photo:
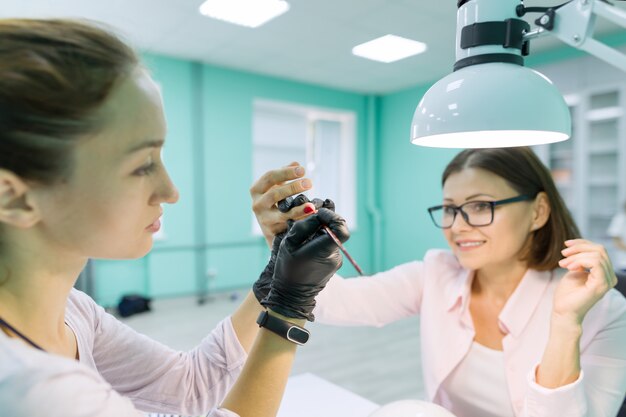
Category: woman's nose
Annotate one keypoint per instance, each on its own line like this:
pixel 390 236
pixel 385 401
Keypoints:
pixel 173 195
pixel 459 222
pixel 167 191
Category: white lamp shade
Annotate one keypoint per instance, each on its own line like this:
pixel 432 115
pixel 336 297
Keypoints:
pixel 491 105
pixel 411 408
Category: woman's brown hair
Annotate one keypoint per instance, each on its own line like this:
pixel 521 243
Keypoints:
pixel 525 173
pixel 54 76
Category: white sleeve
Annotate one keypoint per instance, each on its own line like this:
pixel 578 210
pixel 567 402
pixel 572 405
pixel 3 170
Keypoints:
pixel 160 379
pixel 70 393
pixel 153 376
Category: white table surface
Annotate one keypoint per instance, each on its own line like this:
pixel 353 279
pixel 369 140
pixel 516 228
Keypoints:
pixel 308 395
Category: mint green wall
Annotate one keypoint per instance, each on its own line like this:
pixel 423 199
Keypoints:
pixel 209 156
pixel 410 182
pixel 228 98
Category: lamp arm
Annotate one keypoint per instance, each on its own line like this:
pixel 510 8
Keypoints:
pixel 536 33
pixel 574 24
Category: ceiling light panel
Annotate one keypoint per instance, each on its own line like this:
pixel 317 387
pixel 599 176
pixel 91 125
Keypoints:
pixel 389 48
pixel 249 13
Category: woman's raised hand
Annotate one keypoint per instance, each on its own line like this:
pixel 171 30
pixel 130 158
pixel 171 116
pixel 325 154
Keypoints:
pixel 272 187
pixel 590 275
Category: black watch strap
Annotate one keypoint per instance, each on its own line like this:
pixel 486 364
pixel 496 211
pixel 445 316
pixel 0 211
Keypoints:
pixel 283 328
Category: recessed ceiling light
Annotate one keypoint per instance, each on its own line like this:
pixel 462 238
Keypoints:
pixel 250 13
pixel 389 48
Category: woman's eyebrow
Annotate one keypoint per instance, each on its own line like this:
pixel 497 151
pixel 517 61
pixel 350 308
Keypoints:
pixel 471 197
pixel 157 143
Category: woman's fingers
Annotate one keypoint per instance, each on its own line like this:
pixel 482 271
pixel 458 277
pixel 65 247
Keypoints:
pixel 280 192
pixel 272 187
pixel 581 245
pixel 589 278
pixel 276 177
pixel 583 255
pixel 584 259
pixel 578 249
pixel 571 242
pixel 600 271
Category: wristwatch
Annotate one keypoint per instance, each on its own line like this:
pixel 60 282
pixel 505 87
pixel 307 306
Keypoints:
pixel 283 328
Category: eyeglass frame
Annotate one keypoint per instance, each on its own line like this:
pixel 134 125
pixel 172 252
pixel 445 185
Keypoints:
pixel 459 209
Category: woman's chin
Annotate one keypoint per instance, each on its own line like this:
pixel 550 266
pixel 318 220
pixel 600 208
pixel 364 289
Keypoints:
pixel 469 262
pixel 144 251
pixel 133 253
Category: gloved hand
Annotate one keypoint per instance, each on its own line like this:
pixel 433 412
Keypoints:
pixel 290 202
pixel 307 258
pixel 262 285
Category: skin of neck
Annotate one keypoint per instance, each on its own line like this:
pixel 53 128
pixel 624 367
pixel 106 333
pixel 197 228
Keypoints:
pixel 496 283
pixel 35 283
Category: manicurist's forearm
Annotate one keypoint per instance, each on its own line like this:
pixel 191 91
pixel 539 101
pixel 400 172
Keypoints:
pixel 244 321
pixel 260 387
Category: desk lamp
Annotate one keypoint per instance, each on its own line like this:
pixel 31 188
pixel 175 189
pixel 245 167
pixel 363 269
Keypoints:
pixel 492 100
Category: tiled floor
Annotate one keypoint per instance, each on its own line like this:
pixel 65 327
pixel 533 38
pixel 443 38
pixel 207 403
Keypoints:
pixel 382 365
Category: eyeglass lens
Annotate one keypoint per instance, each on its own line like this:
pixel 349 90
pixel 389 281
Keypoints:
pixel 476 213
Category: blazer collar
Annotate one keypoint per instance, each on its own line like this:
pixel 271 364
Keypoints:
pixel 523 302
pixel 459 292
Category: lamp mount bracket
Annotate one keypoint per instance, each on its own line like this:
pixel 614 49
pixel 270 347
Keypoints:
pixel 574 24
pixel 547 20
pixel 509 34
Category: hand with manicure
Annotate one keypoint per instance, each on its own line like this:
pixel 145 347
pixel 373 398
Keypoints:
pixel 274 186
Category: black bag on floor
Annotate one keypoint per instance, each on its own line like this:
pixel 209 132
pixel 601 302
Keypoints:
pixel 133 304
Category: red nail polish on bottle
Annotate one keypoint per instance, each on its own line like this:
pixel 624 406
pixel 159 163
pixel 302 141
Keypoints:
pixel 308 210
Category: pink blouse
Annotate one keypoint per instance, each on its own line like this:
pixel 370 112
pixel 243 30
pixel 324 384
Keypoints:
pixel 438 289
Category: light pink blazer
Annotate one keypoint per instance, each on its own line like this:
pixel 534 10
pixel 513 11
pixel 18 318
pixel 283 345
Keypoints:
pixel 438 289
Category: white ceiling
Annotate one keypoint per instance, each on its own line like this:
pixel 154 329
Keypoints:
pixel 312 42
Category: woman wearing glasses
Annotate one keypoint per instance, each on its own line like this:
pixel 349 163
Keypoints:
pixel 518 318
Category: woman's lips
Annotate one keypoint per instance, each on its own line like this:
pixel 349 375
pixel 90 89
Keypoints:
pixel 154 227
pixel 468 245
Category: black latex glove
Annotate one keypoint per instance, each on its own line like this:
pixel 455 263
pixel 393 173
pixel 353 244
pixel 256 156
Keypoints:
pixel 306 259
pixel 262 285
pixel 290 202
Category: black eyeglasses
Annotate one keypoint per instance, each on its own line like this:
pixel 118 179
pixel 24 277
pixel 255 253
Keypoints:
pixel 475 213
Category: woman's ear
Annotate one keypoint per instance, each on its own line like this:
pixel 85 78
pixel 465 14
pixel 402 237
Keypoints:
pixel 16 206
pixel 541 211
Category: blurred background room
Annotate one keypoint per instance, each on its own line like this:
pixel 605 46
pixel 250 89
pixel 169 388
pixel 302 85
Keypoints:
pixel 241 100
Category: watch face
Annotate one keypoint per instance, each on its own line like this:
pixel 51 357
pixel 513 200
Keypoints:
pixel 297 335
